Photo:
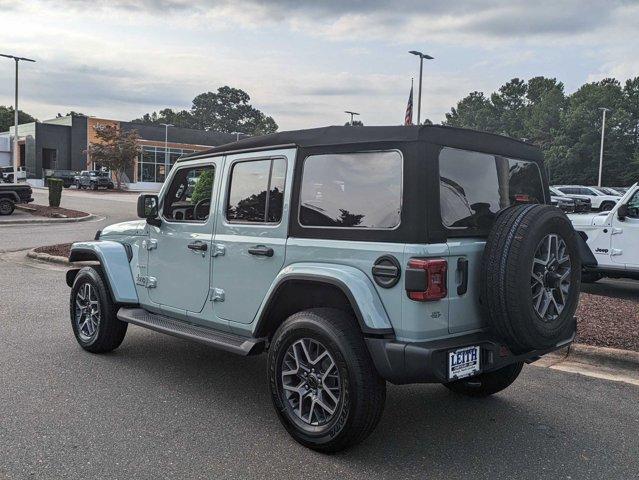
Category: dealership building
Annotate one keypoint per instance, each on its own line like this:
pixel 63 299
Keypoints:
pixel 62 144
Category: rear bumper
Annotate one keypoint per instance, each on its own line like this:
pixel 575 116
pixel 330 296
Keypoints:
pixel 427 362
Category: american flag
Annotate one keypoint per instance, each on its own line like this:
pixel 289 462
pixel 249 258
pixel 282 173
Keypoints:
pixel 408 119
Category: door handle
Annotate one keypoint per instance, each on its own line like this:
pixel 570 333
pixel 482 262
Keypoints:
pixel 261 251
pixel 198 246
pixel 462 266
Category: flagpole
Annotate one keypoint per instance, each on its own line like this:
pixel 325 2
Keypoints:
pixel 412 79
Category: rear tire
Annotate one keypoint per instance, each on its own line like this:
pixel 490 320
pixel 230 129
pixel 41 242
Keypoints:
pixel 486 384
pixel 6 206
pixel 357 391
pixel 93 313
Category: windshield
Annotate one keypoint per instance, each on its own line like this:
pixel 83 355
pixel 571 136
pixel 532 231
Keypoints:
pixel 475 186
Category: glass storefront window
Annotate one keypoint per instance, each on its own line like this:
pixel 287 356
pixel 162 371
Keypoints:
pixel 152 162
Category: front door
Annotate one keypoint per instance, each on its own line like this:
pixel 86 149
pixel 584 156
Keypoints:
pixel 251 231
pixel 180 248
pixel 625 236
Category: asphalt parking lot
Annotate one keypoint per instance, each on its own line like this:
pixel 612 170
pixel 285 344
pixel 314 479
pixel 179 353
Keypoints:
pixel 160 407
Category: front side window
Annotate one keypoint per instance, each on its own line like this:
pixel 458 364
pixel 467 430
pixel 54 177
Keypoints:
pixel 188 198
pixel 256 193
pixel 633 206
pixel 475 186
pixel 352 190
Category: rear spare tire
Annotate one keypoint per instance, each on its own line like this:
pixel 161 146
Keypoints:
pixel 530 277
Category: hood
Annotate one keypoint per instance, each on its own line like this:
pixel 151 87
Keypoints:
pixel 135 227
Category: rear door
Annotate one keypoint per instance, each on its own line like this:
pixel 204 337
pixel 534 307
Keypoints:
pixel 250 237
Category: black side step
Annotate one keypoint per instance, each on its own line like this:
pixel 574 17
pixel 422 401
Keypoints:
pixel 163 324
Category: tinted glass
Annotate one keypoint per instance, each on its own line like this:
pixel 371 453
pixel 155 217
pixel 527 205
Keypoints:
pixel 188 198
pixel 248 198
pixel 357 190
pixel 633 206
pixel 475 186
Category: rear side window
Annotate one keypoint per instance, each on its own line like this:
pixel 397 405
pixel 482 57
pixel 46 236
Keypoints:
pixel 256 193
pixel 352 190
pixel 475 186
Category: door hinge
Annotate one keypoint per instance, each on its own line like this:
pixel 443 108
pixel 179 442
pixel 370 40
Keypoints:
pixel 218 250
pixel 152 282
pixel 150 244
pixel 615 252
pixel 216 295
pixel 616 231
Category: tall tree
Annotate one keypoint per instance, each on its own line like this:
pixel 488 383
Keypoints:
pixel 7 120
pixel 115 149
pixel 566 128
pixel 227 110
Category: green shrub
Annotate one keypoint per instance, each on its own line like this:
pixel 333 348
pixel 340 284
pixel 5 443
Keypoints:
pixel 55 191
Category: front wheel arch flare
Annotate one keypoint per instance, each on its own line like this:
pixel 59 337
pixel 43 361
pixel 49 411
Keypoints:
pixel 114 261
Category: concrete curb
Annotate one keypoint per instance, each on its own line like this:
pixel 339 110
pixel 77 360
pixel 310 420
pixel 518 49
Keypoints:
pixel 48 220
pixel 615 358
pixel 45 257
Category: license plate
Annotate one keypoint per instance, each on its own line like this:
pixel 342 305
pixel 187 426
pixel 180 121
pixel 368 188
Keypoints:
pixel 463 362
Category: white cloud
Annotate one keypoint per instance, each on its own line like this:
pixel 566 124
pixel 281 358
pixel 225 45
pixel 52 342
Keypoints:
pixel 302 62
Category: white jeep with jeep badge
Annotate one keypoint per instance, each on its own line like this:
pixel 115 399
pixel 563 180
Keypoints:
pixel 354 256
pixel 612 238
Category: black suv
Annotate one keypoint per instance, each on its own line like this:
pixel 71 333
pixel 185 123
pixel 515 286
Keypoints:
pixel 10 194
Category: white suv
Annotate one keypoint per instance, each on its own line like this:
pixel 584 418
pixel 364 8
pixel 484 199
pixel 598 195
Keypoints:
pixel 612 238
pixel 599 200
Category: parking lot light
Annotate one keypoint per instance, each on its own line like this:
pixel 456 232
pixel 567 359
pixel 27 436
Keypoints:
pixel 16 154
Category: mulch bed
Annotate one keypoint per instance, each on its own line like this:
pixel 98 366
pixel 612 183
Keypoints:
pixel 60 250
pixel 608 322
pixel 52 212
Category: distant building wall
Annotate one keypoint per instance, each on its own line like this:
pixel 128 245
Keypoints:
pixel 53 137
pixel 64 141
pixel 79 143
pixel 5 150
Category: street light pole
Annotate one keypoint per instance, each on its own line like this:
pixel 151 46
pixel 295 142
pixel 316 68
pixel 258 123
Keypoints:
pixel 351 114
pixel 421 56
pixel 603 128
pixel 16 153
pixel 166 147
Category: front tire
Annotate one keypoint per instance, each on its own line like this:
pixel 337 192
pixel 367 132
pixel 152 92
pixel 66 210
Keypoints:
pixel 486 384
pixel 323 384
pixel 607 206
pixel 93 313
pixel 590 277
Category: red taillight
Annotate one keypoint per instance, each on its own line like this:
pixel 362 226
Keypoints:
pixel 426 279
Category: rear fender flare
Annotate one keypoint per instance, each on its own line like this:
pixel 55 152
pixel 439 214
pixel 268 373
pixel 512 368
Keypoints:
pixel 114 260
pixel 354 283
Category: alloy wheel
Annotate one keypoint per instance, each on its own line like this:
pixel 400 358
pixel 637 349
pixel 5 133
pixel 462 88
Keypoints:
pixel 311 382
pixel 87 311
pixel 550 277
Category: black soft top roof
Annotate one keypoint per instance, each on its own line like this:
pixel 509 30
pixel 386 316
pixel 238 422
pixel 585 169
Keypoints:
pixel 347 135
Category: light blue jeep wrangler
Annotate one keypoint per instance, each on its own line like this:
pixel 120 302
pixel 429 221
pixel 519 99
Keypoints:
pixel 354 256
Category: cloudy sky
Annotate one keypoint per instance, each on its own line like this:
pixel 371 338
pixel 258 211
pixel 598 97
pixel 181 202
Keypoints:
pixel 303 62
